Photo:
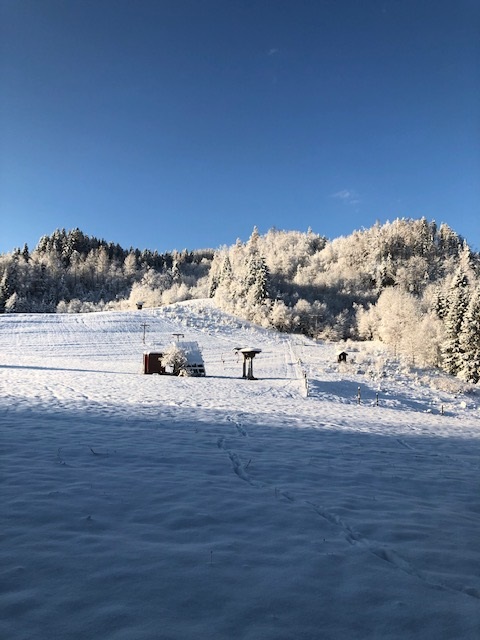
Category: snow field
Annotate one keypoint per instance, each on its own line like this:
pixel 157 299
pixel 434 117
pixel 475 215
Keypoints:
pixel 156 507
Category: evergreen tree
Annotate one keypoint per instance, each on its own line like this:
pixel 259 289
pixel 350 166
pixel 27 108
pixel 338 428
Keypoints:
pixel 11 305
pixel 469 341
pixel 226 272
pixel 176 276
pixel 8 283
pixel 257 280
pixel 15 304
pixel 212 284
pixel 253 241
pixel 457 303
pixel 448 241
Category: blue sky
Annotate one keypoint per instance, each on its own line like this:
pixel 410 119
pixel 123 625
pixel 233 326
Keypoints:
pixel 183 123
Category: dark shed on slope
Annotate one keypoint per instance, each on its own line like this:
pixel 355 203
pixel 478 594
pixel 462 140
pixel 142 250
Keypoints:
pixel 152 362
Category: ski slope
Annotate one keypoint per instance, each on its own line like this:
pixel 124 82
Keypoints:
pixel 155 507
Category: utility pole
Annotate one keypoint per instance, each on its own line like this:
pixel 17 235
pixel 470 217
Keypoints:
pixel 177 336
pixel 315 317
pixel 144 325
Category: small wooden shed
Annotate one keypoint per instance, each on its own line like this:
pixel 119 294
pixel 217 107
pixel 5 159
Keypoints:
pixel 152 362
pixel 342 356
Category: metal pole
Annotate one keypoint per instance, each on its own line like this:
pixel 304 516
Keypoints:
pixel 144 325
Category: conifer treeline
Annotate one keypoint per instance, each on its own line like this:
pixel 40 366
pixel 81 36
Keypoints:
pixel 409 283
pixel 71 271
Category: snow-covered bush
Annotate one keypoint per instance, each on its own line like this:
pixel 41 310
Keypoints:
pixel 176 359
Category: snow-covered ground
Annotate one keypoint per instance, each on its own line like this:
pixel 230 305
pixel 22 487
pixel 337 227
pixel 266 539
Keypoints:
pixel 140 507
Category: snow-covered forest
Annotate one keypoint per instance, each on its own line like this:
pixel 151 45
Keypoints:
pixel 409 283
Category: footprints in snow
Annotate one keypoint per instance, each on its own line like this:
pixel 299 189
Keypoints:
pixel 239 427
pixel 402 443
pixel 239 468
pixel 351 536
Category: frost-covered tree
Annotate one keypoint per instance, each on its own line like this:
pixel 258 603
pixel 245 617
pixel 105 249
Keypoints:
pixel 25 253
pixel 449 242
pixel 428 340
pixel 257 280
pixel 457 303
pixel 394 320
pixel 8 283
pixel 226 272
pixel 175 271
pixel 213 277
pixel 302 316
pixel 396 312
pixel 469 342
pixel 220 273
pixel 176 358
pixel 12 304
pixel 178 292
pixel 281 316
pixel 252 245
pixel 151 288
pixel 130 265
pixel 367 321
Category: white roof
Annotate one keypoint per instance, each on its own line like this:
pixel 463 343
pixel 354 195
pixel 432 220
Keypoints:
pixel 192 351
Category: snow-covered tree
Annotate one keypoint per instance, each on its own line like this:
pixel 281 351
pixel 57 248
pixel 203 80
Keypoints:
pixel 176 358
pixel 428 340
pixel 457 302
pixel 367 321
pixel 257 280
pixel 130 265
pixel 281 316
pixel 469 342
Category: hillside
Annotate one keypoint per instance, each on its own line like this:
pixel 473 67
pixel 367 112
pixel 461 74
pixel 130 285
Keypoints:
pixel 149 507
pixel 409 283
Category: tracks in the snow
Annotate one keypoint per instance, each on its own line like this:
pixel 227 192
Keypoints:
pixel 353 537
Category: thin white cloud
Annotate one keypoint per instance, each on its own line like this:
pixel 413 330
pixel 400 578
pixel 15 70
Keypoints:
pixel 272 52
pixel 347 196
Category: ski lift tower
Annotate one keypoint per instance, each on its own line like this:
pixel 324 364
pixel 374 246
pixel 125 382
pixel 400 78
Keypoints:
pixel 248 354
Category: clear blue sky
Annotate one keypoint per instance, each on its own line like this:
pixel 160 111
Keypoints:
pixel 169 124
